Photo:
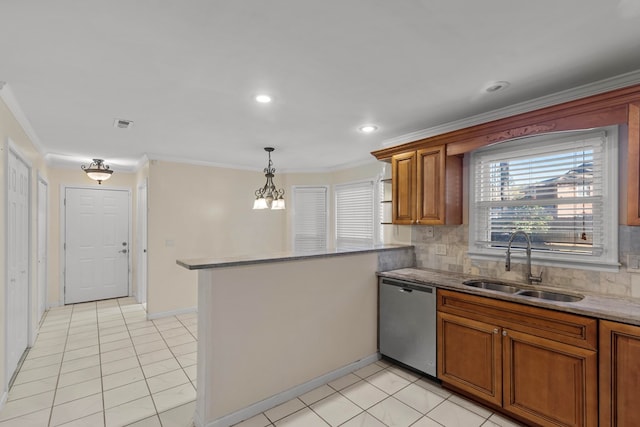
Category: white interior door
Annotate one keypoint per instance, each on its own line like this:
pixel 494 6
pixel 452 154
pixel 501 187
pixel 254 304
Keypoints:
pixel 142 244
pixel 43 206
pixel 96 244
pixel 17 302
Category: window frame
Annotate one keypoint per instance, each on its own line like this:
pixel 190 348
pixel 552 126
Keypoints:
pixel 607 260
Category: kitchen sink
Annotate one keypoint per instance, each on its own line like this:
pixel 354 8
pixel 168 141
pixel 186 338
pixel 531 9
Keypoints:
pixel 492 286
pixel 514 290
pixel 552 296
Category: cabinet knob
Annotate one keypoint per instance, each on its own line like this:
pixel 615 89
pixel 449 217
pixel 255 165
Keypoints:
pixel 504 333
pixel 417 221
pixel 495 331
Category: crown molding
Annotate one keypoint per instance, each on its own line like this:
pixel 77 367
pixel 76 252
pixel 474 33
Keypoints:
pixel 8 97
pixel 601 86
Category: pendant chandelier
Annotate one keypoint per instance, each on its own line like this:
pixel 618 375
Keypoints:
pixel 97 170
pixel 268 197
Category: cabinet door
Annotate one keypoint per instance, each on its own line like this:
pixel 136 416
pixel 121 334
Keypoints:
pixel 548 382
pixel 470 356
pixel 403 191
pixel 431 182
pixel 631 215
pixel 619 374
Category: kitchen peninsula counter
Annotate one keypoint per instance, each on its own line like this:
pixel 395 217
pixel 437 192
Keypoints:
pixel 274 327
pixel 240 260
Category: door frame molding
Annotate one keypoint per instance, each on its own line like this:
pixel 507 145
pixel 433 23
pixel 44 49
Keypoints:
pixel 13 148
pixel 142 239
pixel 42 179
pixel 63 234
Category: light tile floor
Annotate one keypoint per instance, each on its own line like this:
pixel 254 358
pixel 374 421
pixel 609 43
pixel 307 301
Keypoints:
pixel 103 364
pixel 379 395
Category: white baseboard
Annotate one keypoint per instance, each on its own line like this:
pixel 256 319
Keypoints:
pixel 53 305
pixel 172 313
pixel 285 396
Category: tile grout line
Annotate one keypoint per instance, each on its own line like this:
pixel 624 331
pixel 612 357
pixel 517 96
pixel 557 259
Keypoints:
pixel 64 350
pixel 146 383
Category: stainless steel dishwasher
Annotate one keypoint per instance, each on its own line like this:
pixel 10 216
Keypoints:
pixel 407 324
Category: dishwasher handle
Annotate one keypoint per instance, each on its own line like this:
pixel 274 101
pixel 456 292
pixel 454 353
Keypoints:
pixel 406 286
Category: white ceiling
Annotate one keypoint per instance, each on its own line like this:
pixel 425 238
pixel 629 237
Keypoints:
pixel 186 71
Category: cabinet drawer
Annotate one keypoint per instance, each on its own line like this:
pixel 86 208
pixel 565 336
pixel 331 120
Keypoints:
pixel 567 328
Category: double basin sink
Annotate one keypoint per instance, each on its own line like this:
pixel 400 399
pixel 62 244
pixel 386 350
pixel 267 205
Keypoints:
pixel 514 290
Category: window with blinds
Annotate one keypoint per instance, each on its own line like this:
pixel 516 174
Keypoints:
pixel 355 214
pixel 309 218
pixel 561 190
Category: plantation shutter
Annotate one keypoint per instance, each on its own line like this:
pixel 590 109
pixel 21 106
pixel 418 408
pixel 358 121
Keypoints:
pixel 310 219
pixel 355 214
pixel 553 191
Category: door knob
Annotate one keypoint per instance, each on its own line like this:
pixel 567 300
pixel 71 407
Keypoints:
pixel 124 251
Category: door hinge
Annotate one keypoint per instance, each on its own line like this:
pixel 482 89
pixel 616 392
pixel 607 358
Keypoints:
pixel 65 201
pixel 64 246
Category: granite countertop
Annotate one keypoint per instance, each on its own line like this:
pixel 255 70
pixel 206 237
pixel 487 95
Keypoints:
pixel 626 310
pixel 204 263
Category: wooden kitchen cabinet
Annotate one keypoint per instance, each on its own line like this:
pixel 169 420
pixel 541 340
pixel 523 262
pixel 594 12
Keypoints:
pixel 470 356
pixel 619 374
pixel 426 187
pixel 630 212
pixel 548 382
pixel 538 365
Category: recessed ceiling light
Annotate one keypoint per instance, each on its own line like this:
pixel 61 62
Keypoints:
pixel 368 128
pixel 496 86
pixel 263 99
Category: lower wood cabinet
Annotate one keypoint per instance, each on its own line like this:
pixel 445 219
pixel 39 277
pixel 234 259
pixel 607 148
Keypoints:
pixel 538 365
pixel 619 374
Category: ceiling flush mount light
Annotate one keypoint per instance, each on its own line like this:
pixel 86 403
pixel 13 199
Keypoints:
pixel 97 170
pixel 268 197
pixel 263 99
pixel 368 128
pixel 496 86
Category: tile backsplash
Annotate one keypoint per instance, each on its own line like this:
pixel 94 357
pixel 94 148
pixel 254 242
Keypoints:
pixel 447 250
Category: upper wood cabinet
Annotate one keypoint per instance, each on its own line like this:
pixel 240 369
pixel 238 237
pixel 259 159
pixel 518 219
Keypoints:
pixel 630 212
pixel 618 107
pixel 619 374
pixel 426 187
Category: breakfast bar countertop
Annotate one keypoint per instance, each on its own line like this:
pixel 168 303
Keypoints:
pixel 205 263
pixel 625 310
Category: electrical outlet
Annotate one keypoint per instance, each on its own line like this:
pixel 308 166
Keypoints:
pixel 441 249
pixel 428 231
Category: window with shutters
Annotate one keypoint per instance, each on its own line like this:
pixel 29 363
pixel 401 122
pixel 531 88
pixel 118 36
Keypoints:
pixel 355 214
pixel 561 189
pixel 310 218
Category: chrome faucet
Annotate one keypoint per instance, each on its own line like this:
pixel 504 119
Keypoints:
pixel 507 267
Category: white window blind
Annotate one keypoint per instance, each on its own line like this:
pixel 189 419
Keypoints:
pixel 557 189
pixel 310 218
pixel 355 214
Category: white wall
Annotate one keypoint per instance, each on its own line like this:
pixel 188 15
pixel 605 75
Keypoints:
pixel 201 211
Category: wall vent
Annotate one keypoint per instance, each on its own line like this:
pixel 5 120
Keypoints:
pixel 122 123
